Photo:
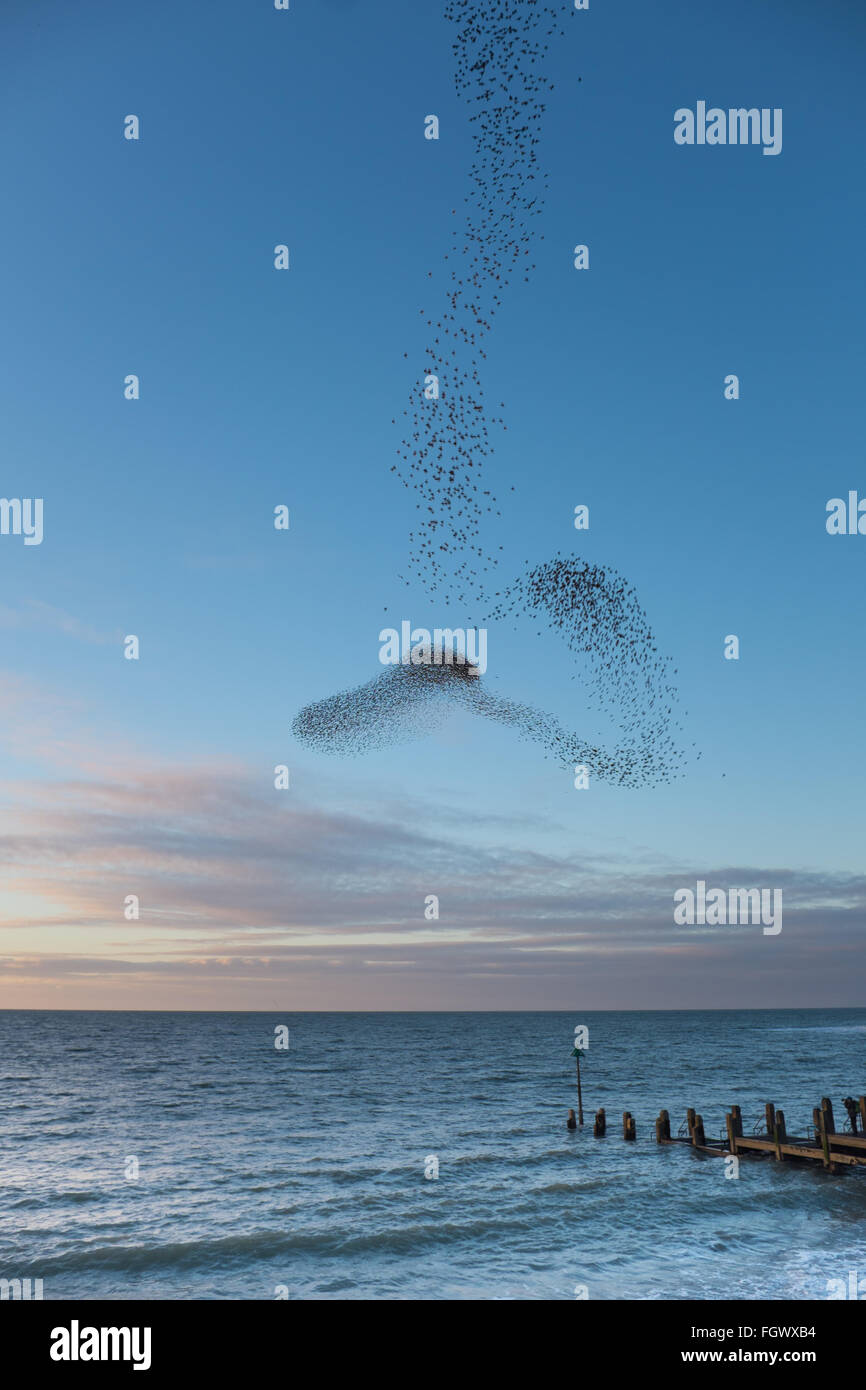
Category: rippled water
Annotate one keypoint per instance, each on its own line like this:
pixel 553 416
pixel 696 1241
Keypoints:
pixel 305 1168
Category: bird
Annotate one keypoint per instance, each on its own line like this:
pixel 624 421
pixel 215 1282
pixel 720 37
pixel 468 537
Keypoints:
pixel 500 50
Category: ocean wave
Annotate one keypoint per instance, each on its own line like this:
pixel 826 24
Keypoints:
pixel 555 1187
pixel 267 1244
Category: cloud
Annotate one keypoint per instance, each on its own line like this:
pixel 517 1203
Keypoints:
pixel 248 893
pixel 34 615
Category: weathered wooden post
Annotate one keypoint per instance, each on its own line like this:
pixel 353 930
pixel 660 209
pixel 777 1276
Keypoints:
pixel 829 1128
pixel 690 1121
pixel 698 1132
pixel 770 1117
pixel 731 1126
pixel 862 1103
pixel 628 1126
pixel 820 1121
pixel 737 1117
pixel 779 1134
pixel 663 1127
pixel 599 1124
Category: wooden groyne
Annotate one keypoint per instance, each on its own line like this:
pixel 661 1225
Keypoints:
pixel 834 1149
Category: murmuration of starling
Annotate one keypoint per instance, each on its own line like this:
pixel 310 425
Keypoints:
pixel 500 47
pixel 597 613
pixel 499 50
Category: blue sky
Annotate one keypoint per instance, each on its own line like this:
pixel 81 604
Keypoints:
pixel 258 387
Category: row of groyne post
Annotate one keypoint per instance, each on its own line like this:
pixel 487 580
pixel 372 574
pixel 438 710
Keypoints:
pixel 835 1149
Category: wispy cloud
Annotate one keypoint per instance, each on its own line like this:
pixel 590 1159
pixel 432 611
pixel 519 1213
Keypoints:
pixel 34 615
pixel 248 894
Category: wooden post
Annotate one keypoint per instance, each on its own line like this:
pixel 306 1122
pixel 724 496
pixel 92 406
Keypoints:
pixel 690 1121
pixel 628 1126
pixel 598 1127
pixel 819 1117
pixel 663 1127
pixel 828 1115
pixel 779 1134
pixel 770 1116
pixel 730 1125
pixel 737 1117
pixel 862 1104
pixel 698 1131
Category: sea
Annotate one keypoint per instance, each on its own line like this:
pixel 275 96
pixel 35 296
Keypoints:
pixel 418 1156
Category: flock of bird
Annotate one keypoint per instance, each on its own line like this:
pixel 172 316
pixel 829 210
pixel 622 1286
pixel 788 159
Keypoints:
pixel 598 615
pixel 596 612
pixel 499 51
pixel 405 703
